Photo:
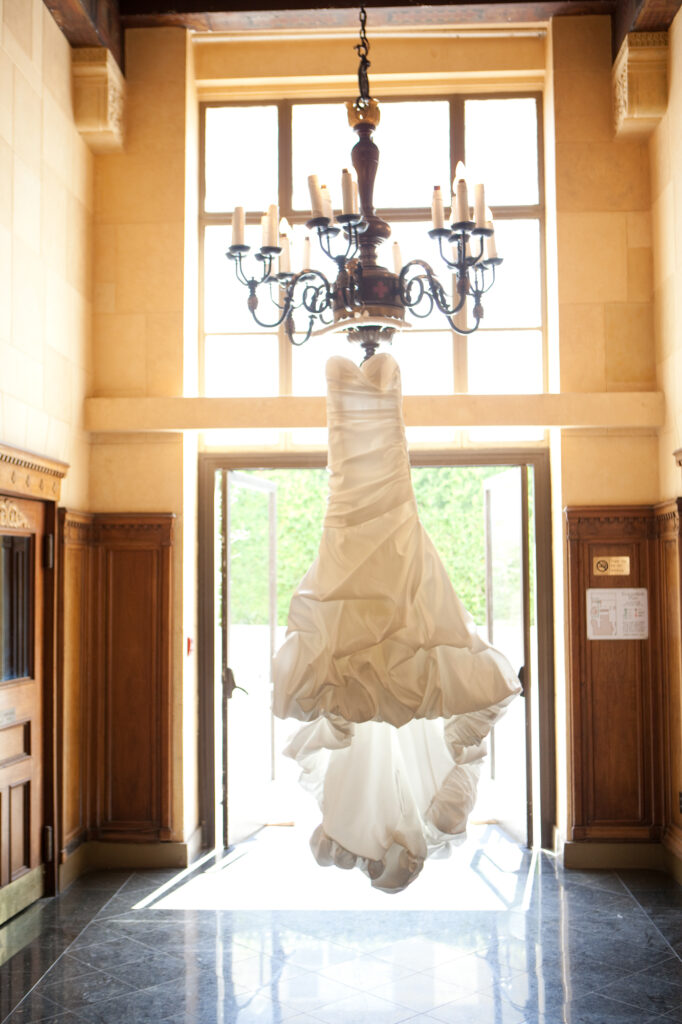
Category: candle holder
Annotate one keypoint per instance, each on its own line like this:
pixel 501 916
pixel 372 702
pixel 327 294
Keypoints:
pixel 365 300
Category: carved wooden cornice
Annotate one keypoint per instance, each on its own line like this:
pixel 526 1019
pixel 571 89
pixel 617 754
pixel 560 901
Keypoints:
pixel 29 475
pixel 137 529
pixel 605 522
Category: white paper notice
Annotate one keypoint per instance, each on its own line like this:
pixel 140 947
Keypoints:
pixel 617 613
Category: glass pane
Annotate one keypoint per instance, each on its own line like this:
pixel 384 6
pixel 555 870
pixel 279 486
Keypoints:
pixel 241 158
pixel 514 299
pixel 414 144
pixel 16 603
pixel 245 366
pixel 501 146
pixel 308 363
pixel 321 143
pixel 505 362
pixel 425 360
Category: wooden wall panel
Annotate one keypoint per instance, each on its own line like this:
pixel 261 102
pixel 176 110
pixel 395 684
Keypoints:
pixel 114 634
pixel 132 636
pixel 615 685
pixel 74 674
pixel 669 531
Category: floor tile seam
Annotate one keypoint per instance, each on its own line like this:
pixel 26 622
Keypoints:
pixel 36 984
pixel 57 1007
pixel 90 970
pixel 654 925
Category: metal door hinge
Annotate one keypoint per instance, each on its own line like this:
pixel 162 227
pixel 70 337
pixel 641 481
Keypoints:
pixel 48 551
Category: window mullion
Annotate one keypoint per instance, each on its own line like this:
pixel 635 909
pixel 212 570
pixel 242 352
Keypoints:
pixel 285 198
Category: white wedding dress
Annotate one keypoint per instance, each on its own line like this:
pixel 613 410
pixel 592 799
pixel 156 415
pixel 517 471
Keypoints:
pixel 382 662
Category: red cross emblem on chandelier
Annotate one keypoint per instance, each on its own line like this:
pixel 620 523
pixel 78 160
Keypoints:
pixel 380 290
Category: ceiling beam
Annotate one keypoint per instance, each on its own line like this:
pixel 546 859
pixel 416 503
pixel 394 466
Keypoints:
pixel 217 16
pixel 89 23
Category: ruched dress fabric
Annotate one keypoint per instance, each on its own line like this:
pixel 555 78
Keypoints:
pixel 381 661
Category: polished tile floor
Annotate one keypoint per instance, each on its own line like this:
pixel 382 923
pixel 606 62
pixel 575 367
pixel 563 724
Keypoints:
pixel 494 935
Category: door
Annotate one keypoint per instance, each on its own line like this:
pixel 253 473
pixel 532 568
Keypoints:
pixel 247 601
pixel 508 784
pixel 22 525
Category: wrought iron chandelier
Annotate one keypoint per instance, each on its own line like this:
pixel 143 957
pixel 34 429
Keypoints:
pixel 365 300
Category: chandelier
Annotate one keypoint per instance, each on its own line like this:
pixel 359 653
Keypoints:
pixel 365 300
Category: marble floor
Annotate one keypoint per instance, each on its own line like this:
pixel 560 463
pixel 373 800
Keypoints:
pixel 492 935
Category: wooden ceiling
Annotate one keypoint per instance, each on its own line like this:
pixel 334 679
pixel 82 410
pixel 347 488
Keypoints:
pixel 102 22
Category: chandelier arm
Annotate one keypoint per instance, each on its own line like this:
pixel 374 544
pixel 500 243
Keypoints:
pixel 464 330
pixel 238 259
pixel 290 327
pixel 435 290
pixel 487 265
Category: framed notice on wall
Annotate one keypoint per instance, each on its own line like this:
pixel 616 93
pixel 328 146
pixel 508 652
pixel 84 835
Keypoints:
pixel 617 613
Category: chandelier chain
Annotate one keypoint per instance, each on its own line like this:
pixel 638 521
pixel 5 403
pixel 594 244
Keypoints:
pixel 362 49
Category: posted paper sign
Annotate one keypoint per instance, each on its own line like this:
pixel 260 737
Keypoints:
pixel 617 613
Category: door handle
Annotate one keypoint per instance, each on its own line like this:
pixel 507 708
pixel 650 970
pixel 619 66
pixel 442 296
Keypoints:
pixel 229 684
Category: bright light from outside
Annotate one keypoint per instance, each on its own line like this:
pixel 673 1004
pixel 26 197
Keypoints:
pixel 501 149
pixel 241 158
pixel 241 366
pixel 505 362
pixel 425 360
pixel 225 306
pixel 515 298
pixel 321 143
pixel 414 153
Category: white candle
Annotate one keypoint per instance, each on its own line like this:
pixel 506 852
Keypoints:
pixel 264 230
pixel 491 248
pixel 346 191
pixel 460 198
pixel 327 210
pixel 356 197
pixel 397 258
pixel 306 253
pixel 273 225
pixel 285 255
pixel 479 206
pixel 437 210
pixel 285 246
pixel 238 226
pixel 315 195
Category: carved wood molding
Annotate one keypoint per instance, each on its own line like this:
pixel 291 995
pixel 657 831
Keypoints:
pixel 11 516
pixel 668 519
pixel 29 475
pixel 144 530
pixel 602 523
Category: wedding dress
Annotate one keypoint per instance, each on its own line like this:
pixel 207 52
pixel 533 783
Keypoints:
pixel 381 661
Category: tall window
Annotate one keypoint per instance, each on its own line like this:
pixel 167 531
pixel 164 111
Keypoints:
pixel 420 142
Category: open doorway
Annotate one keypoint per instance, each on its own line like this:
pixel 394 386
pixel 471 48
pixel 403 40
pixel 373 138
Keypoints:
pixel 263 528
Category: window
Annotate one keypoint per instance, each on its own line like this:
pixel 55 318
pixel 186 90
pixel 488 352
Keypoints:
pixel 420 142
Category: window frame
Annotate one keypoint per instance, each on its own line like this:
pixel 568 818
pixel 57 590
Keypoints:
pixel 395 216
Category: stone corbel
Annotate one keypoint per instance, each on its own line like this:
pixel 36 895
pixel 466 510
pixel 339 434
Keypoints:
pixel 98 98
pixel 640 84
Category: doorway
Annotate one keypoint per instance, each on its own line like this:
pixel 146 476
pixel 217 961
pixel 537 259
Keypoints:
pixel 260 531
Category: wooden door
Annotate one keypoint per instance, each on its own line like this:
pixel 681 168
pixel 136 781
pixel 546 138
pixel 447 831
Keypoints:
pixel 22 525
